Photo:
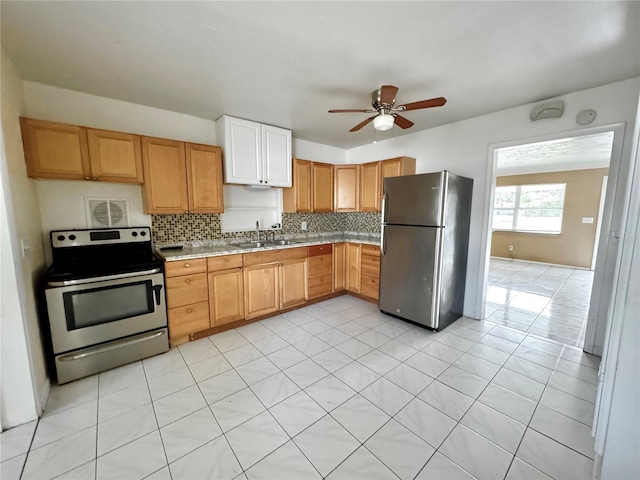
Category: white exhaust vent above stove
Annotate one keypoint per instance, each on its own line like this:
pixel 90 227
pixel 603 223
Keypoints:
pixel 107 212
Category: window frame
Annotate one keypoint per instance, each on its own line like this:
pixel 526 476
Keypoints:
pixel 517 208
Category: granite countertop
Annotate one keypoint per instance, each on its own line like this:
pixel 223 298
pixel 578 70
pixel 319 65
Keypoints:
pixel 193 250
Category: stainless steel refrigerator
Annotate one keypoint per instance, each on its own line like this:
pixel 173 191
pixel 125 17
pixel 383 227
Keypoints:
pixel 424 245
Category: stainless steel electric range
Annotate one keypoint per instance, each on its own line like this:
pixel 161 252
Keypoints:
pixel 105 300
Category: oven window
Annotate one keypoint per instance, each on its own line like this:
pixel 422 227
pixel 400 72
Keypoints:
pixel 107 304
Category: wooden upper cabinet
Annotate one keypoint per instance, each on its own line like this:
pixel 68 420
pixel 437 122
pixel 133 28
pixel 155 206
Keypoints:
pixel 322 187
pixel 396 167
pixel 370 187
pixel 55 150
pixel 165 171
pixel 204 178
pixel 114 156
pixel 298 197
pixel 346 188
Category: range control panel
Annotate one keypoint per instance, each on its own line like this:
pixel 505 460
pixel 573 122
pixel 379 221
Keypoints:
pixel 103 236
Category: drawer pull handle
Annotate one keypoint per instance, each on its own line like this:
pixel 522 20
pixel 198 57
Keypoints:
pixel 226 260
pixel 189 310
pixel 186 265
pixel 188 280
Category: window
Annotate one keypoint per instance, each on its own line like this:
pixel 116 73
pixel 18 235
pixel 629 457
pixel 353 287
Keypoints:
pixel 529 208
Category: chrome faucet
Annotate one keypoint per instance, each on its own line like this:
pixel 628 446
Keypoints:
pixel 257 232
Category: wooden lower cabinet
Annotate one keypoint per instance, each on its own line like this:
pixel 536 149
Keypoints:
pixel 353 267
pixel 226 296
pixel 188 319
pixel 186 290
pixel 370 271
pixel 339 271
pixel 261 290
pixel 320 270
pixel 293 282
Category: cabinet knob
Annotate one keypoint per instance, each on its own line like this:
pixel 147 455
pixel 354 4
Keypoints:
pixel 187 265
pixel 188 280
pixel 95 178
pixel 189 310
pixel 226 260
pixel 87 178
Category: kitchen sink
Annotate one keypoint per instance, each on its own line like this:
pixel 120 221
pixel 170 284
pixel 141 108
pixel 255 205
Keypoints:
pixel 264 244
pixel 284 242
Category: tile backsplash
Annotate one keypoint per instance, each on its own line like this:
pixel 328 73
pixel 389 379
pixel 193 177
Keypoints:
pixel 170 229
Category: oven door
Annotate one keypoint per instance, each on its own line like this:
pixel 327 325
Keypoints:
pixel 98 310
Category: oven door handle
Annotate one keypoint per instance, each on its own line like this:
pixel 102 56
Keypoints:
pixel 110 346
pixel 156 290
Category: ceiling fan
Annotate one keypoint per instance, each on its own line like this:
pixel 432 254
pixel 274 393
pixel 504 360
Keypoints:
pixel 383 101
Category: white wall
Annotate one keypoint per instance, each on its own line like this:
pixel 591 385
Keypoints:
pixel 462 148
pixel 24 385
pixel 318 152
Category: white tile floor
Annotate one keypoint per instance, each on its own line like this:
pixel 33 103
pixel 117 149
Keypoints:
pixel 334 390
pixel 548 301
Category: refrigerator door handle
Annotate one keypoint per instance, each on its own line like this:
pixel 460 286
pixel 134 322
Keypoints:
pixel 385 197
pixel 383 245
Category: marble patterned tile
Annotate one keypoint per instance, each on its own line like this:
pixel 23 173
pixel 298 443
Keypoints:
pixel 477 366
pixel 11 469
pixel 209 367
pixel 331 359
pixel 498 343
pixel 123 401
pixel 536 356
pixel 286 463
pixel 387 396
pixel 59 457
pixel 412 380
pixel 427 364
pixel 507 334
pixel 400 449
pixel 17 440
pixel 177 405
pixel 71 394
pixel 306 373
pixel 440 467
pixel 198 350
pixel 360 417
pixel 297 412
pixel 465 332
pixel 354 348
pixel 494 426
pixel 373 339
pixel 294 335
pixel 316 326
pixel 518 384
pixel 170 383
pixel 229 340
pixel 442 352
pixel 428 423
pixel 274 389
pixel 287 357
pixel 213 460
pixel 83 472
pixel 477 455
pixel 520 470
pixel 65 423
pixel 568 405
pixel 164 363
pixel 398 350
pixel 563 429
pixel 334 337
pixel 417 338
pixel 189 433
pixel 330 392
pixel 552 458
pixel 120 378
pixel 528 369
pixel 257 370
pixel 463 381
pixel 489 354
pixel 236 409
pixel 507 402
pixel 446 399
pixel 356 375
pixel 326 444
pixel 362 465
pixel 455 341
pixel 311 346
pixel 577 370
pixel 163 474
pixel 255 439
pixel 123 429
pixel 254 331
pixel 221 386
pixel 270 344
pixel 573 386
pixel 576 355
pixel 379 362
pixel 242 355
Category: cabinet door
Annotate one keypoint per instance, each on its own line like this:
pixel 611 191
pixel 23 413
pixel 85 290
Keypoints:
pixel 322 187
pixel 55 150
pixel 226 296
pixel 370 187
pixel 276 156
pixel 353 267
pixel 165 176
pixel 261 289
pixel 187 320
pixel 204 178
pixel 186 290
pixel 346 187
pixel 298 197
pixel 293 282
pixel 242 151
pixel 396 167
pixel 339 272
pixel 115 156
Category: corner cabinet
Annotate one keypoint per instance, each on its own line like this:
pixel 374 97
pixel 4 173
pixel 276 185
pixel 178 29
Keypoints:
pixel 254 154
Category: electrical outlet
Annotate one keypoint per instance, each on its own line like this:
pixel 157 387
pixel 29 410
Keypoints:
pixel 303 226
pixel 511 248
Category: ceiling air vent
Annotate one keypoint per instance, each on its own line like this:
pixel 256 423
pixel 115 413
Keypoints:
pixel 107 212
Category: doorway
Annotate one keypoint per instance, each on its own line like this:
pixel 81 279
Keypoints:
pixel 544 219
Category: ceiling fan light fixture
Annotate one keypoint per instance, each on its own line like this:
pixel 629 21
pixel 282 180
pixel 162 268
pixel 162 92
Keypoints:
pixel 383 122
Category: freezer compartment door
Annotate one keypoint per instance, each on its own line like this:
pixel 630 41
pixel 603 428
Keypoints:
pixel 414 199
pixel 409 273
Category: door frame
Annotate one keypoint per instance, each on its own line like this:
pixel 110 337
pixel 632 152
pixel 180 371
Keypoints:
pixel 605 265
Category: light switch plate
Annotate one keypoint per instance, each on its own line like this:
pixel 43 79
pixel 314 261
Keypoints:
pixel 587 219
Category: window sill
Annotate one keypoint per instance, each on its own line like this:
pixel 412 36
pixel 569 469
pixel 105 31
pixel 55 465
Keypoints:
pixel 529 232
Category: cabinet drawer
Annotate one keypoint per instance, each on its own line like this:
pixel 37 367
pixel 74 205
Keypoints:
pixel 185 267
pixel 189 319
pixel 371 250
pixel 321 285
pixel 186 290
pixel 224 262
pixel 271 256
pixel 320 265
pixel 316 250
pixel 369 286
pixel 370 265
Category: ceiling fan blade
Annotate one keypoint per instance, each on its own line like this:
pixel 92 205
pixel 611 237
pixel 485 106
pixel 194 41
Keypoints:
pixel 388 94
pixel 432 102
pixel 362 124
pixel 351 111
pixel 401 121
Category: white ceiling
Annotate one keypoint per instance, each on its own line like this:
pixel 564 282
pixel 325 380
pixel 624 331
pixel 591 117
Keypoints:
pixel 287 63
pixel 573 153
